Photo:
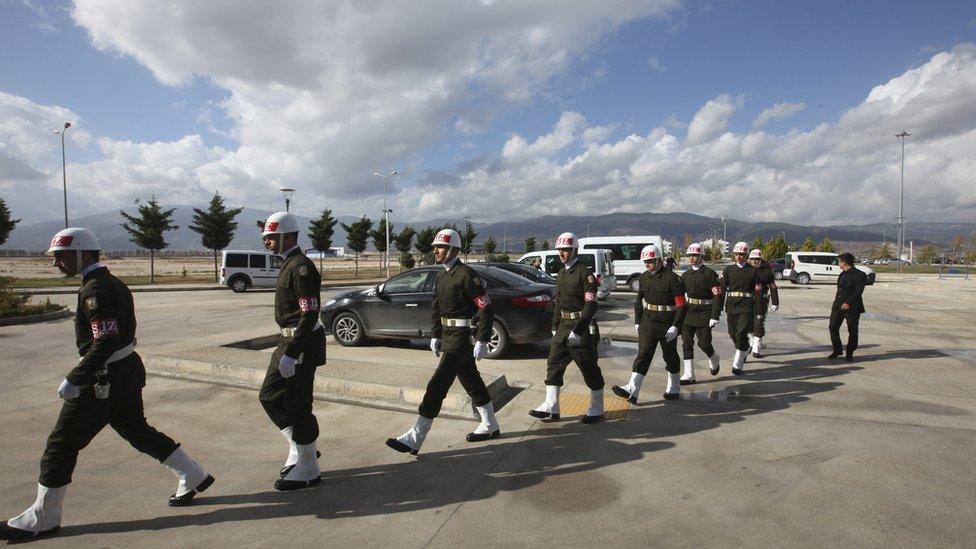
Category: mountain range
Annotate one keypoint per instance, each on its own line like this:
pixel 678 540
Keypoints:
pixel 510 235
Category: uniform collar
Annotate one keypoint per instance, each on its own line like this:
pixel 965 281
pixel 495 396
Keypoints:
pixel 94 266
pixel 696 267
pixel 450 264
pixel 572 263
pixel 290 251
pixel 742 265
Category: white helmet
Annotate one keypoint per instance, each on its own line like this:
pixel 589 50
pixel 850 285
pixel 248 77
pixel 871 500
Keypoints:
pixel 740 248
pixel 567 241
pixel 74 238
pixel 755 254
pixel 694 249
pixel 447 237
pixel 280 223
pixel 650 253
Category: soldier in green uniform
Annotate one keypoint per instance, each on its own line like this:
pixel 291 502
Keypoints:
pixel 659 312
pixel 575 333
pixel 286 393
pixel 702 288
pixel 461 306
pixel 769 293
pixel 105 388
pixel 740 295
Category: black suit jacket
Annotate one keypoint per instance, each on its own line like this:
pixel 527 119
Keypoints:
pixel 850 287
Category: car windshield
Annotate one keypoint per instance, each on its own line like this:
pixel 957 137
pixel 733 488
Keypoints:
pixel 501 277
pixel 536 275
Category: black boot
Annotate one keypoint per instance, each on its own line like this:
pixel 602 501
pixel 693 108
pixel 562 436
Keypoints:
pixel 283 485
pixel 187 498
pixel 481 437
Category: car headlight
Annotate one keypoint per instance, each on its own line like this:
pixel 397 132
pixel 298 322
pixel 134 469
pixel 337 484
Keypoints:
pixel 329 303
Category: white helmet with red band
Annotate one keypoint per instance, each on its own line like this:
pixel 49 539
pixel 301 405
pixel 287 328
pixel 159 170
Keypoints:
pixel 740 248
pixel 73 238
pixel 447 237
pixel 650 253
pixel 567 241
pixel 755 254
pixel 694 249
pixel 280 223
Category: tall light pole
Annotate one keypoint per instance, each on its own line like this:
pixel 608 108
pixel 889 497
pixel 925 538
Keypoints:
pixel 64 172
pixel 386 218
pixel 901 195
pixel 725 219
pixel 287 193
pixel 505 239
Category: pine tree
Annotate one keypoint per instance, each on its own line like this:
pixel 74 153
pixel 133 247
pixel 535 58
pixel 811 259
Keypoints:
pixel 320 232
pixel 423 244
pixel 379 238
pixel 467 239
pixel 403 242
pixel 530 244
pixel 356 236
pixel 6 224
pixel 215 226
pixel 147 230
pixel 775 247
pixel 545 244
pixel 808 245
pixel 826 245
pixel 758 243
pixel 491 246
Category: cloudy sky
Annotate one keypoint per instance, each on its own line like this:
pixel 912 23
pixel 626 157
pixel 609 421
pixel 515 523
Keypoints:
pixel 495 109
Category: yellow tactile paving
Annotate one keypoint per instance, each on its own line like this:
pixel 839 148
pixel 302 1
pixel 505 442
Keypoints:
pixel 575 404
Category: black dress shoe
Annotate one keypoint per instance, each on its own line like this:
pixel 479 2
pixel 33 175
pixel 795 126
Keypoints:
pixel 670 396
pixel 622 393
pixel 283 485
pixel 713 372
pixel 687 381
pixel 758 355
pixel 591 419
pixel 833 355
pixel 539 414
pixel 187 498
pixel 481 437
pixel 14 535
pixel 287 468
pixel 849 357
pixel 737 371
pixel 400 447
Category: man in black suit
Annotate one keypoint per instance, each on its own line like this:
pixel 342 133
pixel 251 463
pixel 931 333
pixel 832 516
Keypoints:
pixel 847 305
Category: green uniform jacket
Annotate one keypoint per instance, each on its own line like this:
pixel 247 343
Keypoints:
pixel 741 279
pixel 105 322
pixel 297 304
pixel 768 282
pixel 575 293
pixel 661 287
pixel 702 284
pixel 460 293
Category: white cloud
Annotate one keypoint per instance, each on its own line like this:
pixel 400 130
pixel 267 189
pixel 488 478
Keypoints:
pixel 712 118
pixel 655 64
pixel 779 111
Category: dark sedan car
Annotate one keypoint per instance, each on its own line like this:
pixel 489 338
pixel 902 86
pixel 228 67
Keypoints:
pixel 777 265
pixel 400 308
pixel 521 269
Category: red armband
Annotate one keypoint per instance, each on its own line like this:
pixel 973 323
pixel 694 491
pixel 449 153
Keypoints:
pixel 308 304
pixel 589 296
pixel 104 328
pixel 758 288
pixel 716 291
pixel 482 301
pixel 679 301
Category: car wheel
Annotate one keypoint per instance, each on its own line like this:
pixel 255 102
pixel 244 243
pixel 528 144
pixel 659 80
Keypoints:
pixel 634 284
pixel 348 330
pixel 238 284
pixel 803 278
pixel 498 342
pixel 778 275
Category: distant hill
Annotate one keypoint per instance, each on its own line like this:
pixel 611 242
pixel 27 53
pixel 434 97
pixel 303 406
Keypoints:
pixel 672 226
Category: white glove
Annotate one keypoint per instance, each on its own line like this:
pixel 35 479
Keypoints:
pixel 672 334
pixel 435 345
pixel 773 308
pixel 286 366
pixel 636 327
pixel 572 338
pixel 712 322
pixel 68 391
pixel 480 350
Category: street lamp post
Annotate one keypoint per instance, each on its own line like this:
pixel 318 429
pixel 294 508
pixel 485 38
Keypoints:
pixel 386 219
pixel 505 239
pixel 287 193
pixel 64 172
pixel 901 195
pixel 725 219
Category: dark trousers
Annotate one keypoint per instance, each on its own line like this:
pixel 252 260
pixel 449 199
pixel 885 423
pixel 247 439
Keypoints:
pixel 759 327
pixel 649 337
pixel 688 334
pixel 82 418
pixel 740 324
pixel 288 401
pixel 585 356
pixel 837 317
pixel 458 363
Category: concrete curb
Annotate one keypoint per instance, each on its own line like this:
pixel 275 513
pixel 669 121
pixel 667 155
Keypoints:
pixel 31 319
pixel 457 404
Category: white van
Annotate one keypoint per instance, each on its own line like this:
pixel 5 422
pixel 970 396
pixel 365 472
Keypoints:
pixel 598 260
pixel 243 269
pixel 625 251
pixel 807 267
